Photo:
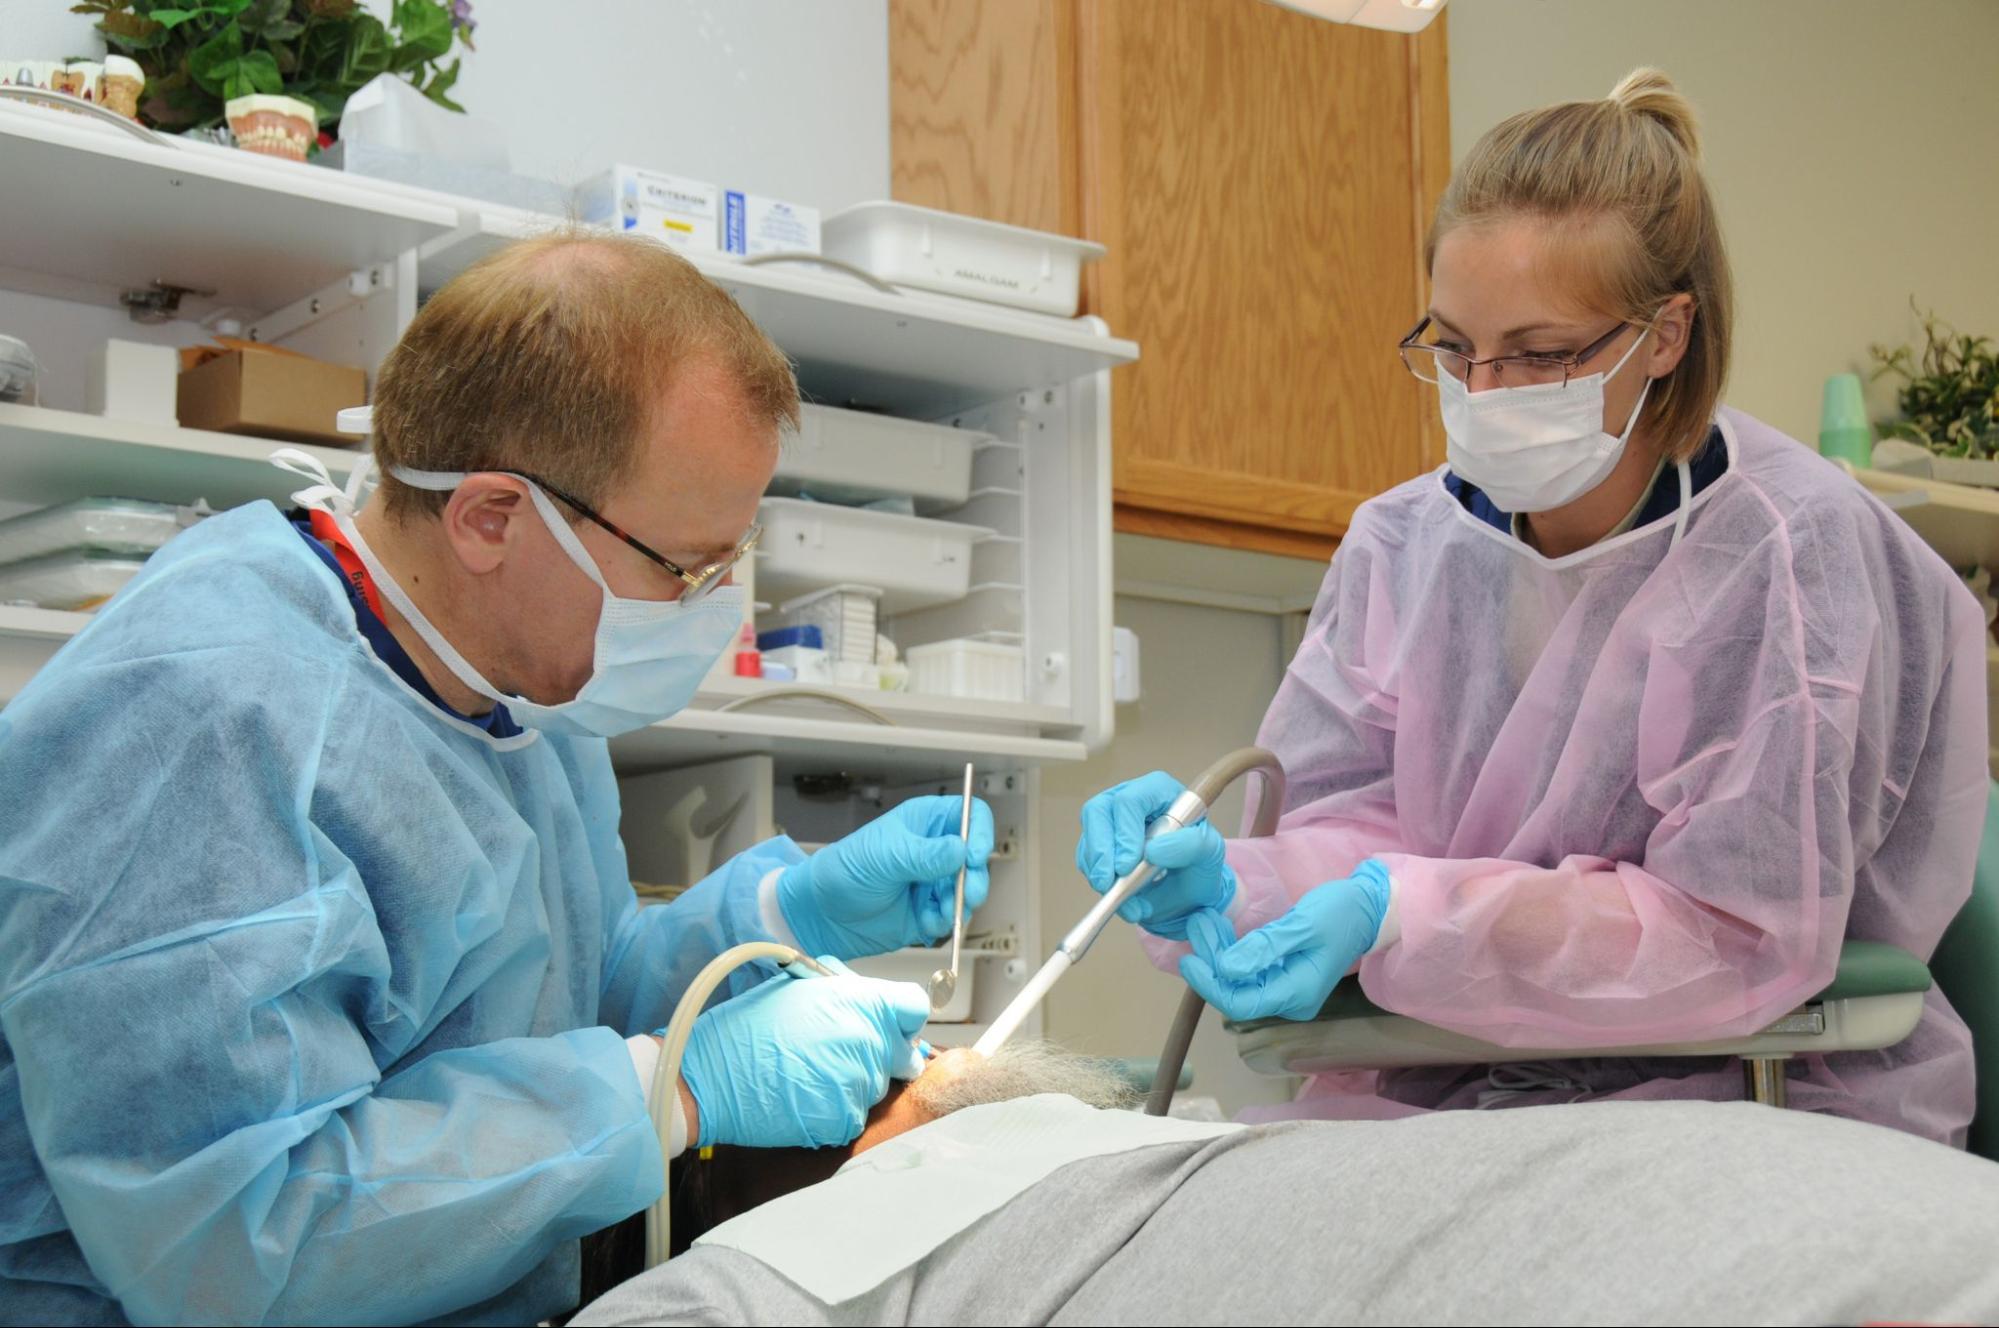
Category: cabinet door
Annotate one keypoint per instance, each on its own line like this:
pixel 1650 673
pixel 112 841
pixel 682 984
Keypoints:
pixel 1262 179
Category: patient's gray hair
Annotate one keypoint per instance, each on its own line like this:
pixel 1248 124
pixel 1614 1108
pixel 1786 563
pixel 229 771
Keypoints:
pixel 1023 1069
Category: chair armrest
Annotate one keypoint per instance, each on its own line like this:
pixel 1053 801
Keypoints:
pixel 1866 968
pixel 1874 1001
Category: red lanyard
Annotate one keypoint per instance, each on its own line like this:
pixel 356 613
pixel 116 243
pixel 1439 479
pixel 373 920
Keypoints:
pixel 325 530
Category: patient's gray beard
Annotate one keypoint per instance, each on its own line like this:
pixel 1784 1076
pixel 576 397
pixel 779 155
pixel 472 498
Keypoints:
pixel 1023 1069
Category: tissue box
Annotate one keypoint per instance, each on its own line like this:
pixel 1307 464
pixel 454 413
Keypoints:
pixel 682 212
pixel 754 225
pixel 270 392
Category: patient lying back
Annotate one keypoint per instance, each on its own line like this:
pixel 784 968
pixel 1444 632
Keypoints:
pixel 1604 1212
pixel 736 1180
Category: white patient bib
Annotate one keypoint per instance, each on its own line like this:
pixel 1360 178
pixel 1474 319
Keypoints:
pixel 901 1200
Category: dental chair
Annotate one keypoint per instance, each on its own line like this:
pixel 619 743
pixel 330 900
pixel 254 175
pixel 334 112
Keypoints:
pixel 1874 1001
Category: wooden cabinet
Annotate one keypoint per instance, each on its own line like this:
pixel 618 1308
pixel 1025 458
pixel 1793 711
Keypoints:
pixel 1262 179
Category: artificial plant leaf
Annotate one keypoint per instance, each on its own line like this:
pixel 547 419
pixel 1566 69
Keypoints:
pixel 321 50
pixel 132 32
pixel 367 52
pixel 443 77
pixel 424 27
pixel 236 85
pixel 212 62
pixel 330 9
pixel 329 101
pixel 260 14
pixel 172 18
pixel 260 70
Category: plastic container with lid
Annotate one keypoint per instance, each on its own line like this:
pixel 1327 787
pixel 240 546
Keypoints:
pixel 969 256
pixel 77 581
pixel 127 527
pixel 916 562
pixel 973 670
pixel 843 617
pixel 850 456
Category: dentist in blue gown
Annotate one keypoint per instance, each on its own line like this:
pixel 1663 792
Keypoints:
pixel 324 994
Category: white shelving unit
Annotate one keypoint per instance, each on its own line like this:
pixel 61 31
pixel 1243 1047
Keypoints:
pixel 88 211
pixel 336 265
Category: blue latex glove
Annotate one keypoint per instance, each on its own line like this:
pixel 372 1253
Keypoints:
pixel 797 1062
pixel 1194 874
pixel 1288 967
pixel 890 884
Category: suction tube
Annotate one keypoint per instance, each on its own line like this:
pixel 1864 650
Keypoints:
pixel 1180 1035
pixel 666 1077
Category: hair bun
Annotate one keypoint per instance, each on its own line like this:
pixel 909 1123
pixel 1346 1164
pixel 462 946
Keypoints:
pixel 1650 93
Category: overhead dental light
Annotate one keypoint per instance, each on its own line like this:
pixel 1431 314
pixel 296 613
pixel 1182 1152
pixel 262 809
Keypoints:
pixel 1388 15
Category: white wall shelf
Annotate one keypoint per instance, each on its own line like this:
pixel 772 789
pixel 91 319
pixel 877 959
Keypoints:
pixel 52 456
pixel 1961 523
pixel 915 354
pixel 909 752
pixel 916 709
pixel 903 754
pixel 87 211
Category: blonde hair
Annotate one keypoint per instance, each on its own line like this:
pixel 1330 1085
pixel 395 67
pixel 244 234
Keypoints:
pixel 1622 178
pixel 551 355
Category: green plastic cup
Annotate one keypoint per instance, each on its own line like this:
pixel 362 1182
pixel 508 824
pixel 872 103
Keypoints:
pixel 1844 434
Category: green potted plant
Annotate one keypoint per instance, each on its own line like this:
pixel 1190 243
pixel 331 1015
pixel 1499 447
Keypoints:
pixel 1949 400
pixel 200 54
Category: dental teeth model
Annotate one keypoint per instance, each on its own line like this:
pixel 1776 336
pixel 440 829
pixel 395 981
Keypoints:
pixel 274 126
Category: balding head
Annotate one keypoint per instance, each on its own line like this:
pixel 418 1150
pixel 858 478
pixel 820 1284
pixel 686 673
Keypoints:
pixel 552 355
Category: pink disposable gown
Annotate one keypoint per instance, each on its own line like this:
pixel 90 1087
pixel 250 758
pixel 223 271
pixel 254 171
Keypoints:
pixel 1640 793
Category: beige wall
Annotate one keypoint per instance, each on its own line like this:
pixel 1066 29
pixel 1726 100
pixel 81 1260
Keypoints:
pixel 1851 144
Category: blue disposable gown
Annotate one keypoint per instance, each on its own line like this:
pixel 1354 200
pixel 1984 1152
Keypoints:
pixel 312 998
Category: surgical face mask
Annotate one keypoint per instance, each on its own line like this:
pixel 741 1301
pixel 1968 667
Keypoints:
pixel 1533 449
pixel 649 657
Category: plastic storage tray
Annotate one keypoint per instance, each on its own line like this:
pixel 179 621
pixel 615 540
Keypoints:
pixel 846 617
pixel 915 562
pixel 941 251
pixel 77 581
pixel 850 456
pixel 974 670
pixel 124 526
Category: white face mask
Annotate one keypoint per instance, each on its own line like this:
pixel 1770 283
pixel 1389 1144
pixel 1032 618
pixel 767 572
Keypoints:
pixel 650 655
pixel 1533 449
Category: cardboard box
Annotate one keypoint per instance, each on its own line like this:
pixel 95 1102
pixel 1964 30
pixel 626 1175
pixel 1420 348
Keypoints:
pixel 684 213
pixel 753 225
pixel 270 392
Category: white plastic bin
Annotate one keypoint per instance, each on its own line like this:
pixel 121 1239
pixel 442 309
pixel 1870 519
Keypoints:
pixel 915 562
pixel 103 525
pixel 941 251
pixel 76 581
pixel 846 617
pixel 849 456
pixel 973 670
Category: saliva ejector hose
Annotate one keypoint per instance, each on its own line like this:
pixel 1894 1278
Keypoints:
pixel 1189 807
pixel 666 1077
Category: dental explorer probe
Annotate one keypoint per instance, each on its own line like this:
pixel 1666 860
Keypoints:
pixel 944 982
